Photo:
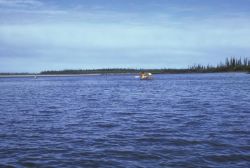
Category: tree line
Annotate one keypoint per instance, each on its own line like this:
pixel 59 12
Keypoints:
pixel 232 64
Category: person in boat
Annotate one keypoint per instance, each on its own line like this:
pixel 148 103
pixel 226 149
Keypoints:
pixel 145 75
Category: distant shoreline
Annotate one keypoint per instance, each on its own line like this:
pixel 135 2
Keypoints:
pixel 230 65
pixel 84 75
pixel 39 75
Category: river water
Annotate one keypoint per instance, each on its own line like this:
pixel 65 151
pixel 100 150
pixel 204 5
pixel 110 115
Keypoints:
pixel 189 120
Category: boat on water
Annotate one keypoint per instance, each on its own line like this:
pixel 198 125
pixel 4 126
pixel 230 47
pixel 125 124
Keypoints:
pixel 146 76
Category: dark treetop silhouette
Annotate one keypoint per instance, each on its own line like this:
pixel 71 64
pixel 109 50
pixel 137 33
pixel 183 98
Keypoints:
pixel 230 65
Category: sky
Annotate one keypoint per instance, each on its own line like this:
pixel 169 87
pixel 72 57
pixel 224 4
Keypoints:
pixel 37 35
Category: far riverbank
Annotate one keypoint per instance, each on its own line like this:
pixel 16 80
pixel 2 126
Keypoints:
pixel 230 65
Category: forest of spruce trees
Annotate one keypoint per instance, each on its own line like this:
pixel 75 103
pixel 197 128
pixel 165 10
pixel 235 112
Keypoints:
pixel 230 65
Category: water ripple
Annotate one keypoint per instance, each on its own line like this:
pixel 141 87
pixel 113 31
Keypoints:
pixel 196 120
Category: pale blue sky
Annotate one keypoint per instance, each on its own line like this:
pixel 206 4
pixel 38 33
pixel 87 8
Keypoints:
pixel 40 35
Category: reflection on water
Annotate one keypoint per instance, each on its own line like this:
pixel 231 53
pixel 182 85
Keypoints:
pixel 191 120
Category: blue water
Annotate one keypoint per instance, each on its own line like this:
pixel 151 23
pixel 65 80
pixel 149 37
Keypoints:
pixel 191 120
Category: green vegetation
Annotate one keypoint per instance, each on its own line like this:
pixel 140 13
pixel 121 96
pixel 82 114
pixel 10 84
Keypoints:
pixel 116 71
pixel 230 65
